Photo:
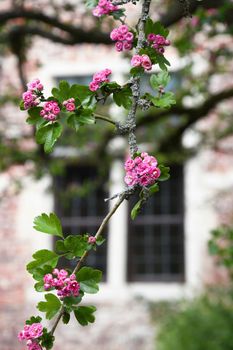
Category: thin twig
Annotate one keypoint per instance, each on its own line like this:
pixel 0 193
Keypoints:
pixel 102 117
pixel 77 267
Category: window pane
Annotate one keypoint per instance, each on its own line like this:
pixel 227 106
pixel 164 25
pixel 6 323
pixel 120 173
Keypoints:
pixel 156 235
pixel 81 214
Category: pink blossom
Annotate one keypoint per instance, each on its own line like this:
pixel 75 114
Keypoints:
pixel 146 62
pixel 34 346
pixel 69 104
pixel 127 46
pixel 123 37
pixel 141 170
pixel 36 330
pixel 99 78
pixel 35 85
pixel 104 7
pixel 91 240
pixel 64 284
pixel 136 61
pixel 158 42
pixel 119 46
pixel 123 29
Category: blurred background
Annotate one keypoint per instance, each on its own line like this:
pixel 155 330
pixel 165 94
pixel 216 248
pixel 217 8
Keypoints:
pixel 161 288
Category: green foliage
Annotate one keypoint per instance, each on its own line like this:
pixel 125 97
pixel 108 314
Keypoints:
pixel 156 28
pixel 200 324
pixel 73 246
pixel 160 79
pixel 89 279
pixel 84 314
pixel 47 340
pixel 154 188
pixel 166 100
pixel 66 317
pixel 136 209
pixel 221 244
pixel 164 173
pixel 48 224
pixel 33 319
pixel 48 135
pixel 35 117
pixel 123 97
pixel 51 306
pixel 42 258
pixel 100 240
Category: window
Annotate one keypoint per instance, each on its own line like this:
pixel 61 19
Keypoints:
pixel 155 237
pixel 81 214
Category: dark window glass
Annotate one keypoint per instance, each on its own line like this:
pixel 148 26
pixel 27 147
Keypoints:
pixel 81 214
pixel 156 244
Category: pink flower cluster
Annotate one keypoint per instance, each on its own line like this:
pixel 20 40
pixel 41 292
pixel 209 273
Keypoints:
pixel 104 7
pixel 31 333
pixel 123 37
pixel 141 61
pixel 66 285
pixel 99 78
pixel 69 104
pixel 30 97
pixel 50 110
pixel 142 170
pixel 158 42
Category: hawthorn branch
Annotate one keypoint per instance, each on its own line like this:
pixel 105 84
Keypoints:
pixel 85 254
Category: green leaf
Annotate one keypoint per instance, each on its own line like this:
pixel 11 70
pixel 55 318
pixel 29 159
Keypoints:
pixel 86 116
pixel 82 92
pixel 89 279
pixel 34 319
pixel 84 314
pixel 66 318
pixel 60 246
pixel 75 244
pixel 47 339
pixel 100 240
pixel 48 135
pixel 162 61
pixel 160 79
pixel 64 90
pixel 164 101
pixel 39 286
pixel 118 14
pixel 42 258
pixel 35 117
pixel 154 188
pixel 51 306
pixel 21 105
pixel 91 3
pixel 123 97
pixel 164 173
pixel 136 209
pixel 149 26
pixel 73 122
pixel 136 71
pixel 158 28
pixel 48 224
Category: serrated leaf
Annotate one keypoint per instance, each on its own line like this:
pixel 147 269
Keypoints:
pixel 162 61
pixel 48 135
pixel 164 101
pixel 86 117
pixel 149 26
pixel 123 97
pixel 84 314
pixel 160 79
pixel 158 28
pixel 48 224
pixel 100 240
pixel 42 258
pixel 39 286
pixel 82 92
pixel 165 173
pixel 89 279
pixel 51 306
pixel 75 244
pixel 136 71
pixel 47 339
pixel 91 3
pixel 136 209
pixel 73 122
pixel 66 318
pixel 34 319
